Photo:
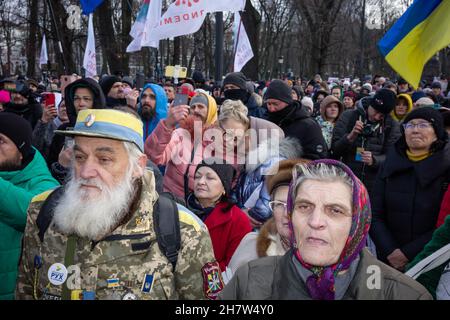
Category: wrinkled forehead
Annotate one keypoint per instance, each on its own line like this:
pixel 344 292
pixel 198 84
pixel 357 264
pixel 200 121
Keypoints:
pixel 89 145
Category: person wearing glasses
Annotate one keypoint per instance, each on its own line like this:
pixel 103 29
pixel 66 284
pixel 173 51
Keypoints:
pixel 258 145
pixel 409 188
pixel 273 237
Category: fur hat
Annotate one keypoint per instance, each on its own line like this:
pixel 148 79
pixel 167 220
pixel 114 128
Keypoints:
pixel 281 173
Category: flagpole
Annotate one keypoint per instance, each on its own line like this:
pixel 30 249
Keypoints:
pixel 219 46
pixel 58 36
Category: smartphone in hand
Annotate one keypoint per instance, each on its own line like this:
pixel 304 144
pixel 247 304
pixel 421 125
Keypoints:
pixel 180 99
pixel 48 99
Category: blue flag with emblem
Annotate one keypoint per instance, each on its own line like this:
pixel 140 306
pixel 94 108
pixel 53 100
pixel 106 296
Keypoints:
pixel 89 6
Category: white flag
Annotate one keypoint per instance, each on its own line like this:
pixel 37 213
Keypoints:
pixel 148 17
pixel 90 59
pixel 186 16
pixel 43 59
pixel 242 47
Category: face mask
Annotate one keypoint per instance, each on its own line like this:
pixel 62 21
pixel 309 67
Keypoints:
pixel 237 94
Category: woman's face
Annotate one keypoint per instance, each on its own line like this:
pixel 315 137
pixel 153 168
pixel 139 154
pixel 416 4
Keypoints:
pixel 419 139
pixel 332 111
pixel 294 95
pixel 235 132
pixel 321 219
pixel 207 185
pixel 348 103
pixel 401 107
pixel 280 215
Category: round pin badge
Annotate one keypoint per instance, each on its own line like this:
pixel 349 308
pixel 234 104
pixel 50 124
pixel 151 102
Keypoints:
pixel 129 296
pixel 57 274
pixel 90 119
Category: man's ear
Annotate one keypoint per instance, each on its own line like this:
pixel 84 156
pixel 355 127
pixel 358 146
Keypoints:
pixel 142 164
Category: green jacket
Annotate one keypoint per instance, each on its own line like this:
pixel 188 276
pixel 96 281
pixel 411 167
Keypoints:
pixel 441 237
pixel 17 189
pixel 275 278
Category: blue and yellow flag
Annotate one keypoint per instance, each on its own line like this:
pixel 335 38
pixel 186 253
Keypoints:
pixel 421 31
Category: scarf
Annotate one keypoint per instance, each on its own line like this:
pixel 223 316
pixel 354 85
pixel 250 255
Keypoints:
pixel 278 116
pixel 321 282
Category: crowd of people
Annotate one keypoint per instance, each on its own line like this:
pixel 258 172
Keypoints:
pixel 281 189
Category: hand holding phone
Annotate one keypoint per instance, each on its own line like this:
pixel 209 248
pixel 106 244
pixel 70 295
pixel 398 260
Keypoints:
pixel 181 99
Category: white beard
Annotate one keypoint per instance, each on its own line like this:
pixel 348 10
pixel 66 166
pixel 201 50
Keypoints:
pixel 92 218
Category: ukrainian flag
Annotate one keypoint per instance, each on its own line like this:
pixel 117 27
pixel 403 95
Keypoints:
pixel 421 31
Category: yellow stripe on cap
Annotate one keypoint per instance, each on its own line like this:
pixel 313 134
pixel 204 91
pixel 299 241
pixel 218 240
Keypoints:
pixel 114 117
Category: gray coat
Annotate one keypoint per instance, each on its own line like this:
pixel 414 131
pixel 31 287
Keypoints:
pixel 275 278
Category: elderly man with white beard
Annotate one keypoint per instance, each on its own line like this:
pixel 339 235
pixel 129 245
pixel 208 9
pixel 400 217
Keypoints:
pixel 98 237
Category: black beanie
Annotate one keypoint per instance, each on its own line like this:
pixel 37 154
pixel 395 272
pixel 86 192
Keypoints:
pixel 107 82
pixel 18 130
pixel 225 171
pixel 431 115
pixel 279 90
pixel 236 78
pixel 384 101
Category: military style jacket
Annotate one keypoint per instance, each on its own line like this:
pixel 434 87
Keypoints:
pixel 125 265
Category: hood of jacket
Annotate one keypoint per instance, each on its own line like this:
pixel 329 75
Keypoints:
pixel 327 101
pixel 288 148
pixel 69 92
pixel 161 100
pixel 409 101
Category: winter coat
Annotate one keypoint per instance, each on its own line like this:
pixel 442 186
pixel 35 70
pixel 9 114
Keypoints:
pixel 99 103
pixel 225 228
pixel 378 143
pixel 276 278
pixel 441 238
pixel 43 134
pixel 253 179
pixel 406 199
pixel 255 109
pixel 254 245
pixel 328 126
pixel 18 188
pixel 445 208
pixel 161 108
pixel 299 124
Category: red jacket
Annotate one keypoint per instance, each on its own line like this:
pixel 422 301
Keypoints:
pixel 445 208
pixel 226 230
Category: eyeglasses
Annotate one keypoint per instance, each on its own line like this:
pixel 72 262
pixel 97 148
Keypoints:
pixel 420 126
pixel 278 205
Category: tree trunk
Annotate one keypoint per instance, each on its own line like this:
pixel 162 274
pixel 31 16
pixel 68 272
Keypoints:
pixel 126 38
pixel 107 36
pixel 32 35
pixel 66 37
pixel 251 20
pixel 176 50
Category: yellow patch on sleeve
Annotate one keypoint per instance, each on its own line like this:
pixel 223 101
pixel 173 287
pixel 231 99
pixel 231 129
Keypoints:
pixel 187 218
pixel 41 197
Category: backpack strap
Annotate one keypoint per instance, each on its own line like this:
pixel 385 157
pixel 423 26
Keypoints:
pixel 167 228
pixel 45 216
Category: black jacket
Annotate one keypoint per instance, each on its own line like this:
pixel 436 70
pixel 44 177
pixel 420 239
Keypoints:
pixel 378 143
pixel 299 124
pixel 406 200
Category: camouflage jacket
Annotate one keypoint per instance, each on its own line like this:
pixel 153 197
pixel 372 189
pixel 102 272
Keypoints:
pixel 127 264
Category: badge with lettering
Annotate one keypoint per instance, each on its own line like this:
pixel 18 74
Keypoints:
pixel 212 280
pixel 147 284
pixel 48 296
pixel 129 296
pixel 57 274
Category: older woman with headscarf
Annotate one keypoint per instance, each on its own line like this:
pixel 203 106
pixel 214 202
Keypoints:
pixel 330 217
